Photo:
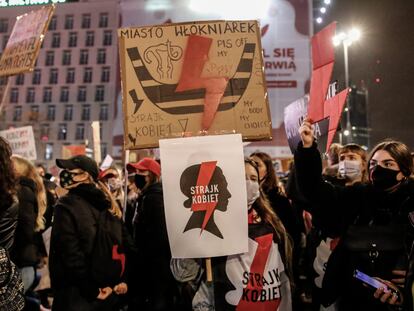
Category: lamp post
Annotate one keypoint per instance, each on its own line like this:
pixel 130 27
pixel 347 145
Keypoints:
pixel 346 39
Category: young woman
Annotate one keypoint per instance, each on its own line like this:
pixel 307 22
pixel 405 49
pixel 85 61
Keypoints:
pixel 256 280
pixel 87 206
pixel 373 219
pixel 32 206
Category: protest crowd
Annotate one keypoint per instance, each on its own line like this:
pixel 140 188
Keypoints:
pixel 109 250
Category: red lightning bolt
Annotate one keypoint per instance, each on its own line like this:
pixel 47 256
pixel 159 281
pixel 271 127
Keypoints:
pixel 203 179
pixel 196 55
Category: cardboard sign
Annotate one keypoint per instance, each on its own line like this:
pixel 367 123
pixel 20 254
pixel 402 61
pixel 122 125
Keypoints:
pixel 21 141
pixel 294 115
pixel 193 79
pixel 72 150
pixel 24 44
pixel 204 195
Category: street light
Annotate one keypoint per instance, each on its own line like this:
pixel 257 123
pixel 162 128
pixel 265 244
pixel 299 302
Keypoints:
pixel 346 39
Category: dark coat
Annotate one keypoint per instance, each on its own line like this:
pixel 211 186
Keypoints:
pixel 362 207
pixel 72 241
pixel 151 240
pixel 8 223
pixel 25 250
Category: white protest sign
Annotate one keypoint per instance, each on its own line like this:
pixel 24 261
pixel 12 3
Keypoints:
pixel 21 141
pixel 107 162
pixel 205 195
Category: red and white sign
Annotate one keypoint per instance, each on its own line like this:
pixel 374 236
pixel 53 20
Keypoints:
pixel 204 195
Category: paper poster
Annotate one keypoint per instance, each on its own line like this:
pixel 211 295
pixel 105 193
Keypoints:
pixel 193 79
pixel 205 199
pixel 24 44
pixel 21 141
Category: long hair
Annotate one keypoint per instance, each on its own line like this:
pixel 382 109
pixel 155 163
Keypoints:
pixel 25 168
pixel 114 209
pixel 399 152
pixel 7 176
pixel 271 181
pixel 266 213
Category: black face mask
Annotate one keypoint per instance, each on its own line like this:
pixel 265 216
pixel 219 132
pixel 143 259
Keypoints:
pixel 384 178
pixel 66 178
pixel 140 181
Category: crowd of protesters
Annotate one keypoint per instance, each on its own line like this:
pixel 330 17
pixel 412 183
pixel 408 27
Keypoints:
pixel 78 242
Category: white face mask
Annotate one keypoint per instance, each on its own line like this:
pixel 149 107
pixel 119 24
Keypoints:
pixel 350 169
pixel 253 192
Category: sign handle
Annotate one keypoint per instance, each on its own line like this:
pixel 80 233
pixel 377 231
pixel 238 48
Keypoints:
pixel 209 270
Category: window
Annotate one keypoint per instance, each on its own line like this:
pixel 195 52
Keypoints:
pixel 4 25
pixel 66 57
pixel 17 113
pixel 53 23
pixel 68 21
pixel 64 94
pixel 30 95
pixel 70 75
pixel 80 131
pixel 73 39
pixel 68 113
pixel 63 130
pixel 5 39
pixel 49 151
pixel 105 74
pixel 83 58
pixel 101 57
pixel 103 113
pixel 103 20
pixel 86 113
pixel 53 76
pixel 81 94
pixel 34 113
pixel 56 40
pixel 20 79
pixel 14 95
pixel 51 112
pixel 99 93
pixel 104 150
pixel 87 75
pixel 50 58
pixel 86 21
pixel 90 38
pixel 3 80
pixel 44 132
pixel 47 94
pixel 107 40
pixel 37 77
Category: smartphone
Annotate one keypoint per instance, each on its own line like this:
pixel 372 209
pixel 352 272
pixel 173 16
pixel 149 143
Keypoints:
pixel 370 281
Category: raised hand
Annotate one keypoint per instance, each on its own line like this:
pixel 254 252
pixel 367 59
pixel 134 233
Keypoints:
pixel 306 133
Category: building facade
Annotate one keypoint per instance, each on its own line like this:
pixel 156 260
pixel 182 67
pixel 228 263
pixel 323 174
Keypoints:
pixel 74 82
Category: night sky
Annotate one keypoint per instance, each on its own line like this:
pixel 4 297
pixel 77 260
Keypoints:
pixel 385 52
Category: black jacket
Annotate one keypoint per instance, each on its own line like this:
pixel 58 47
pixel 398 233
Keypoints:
pixel 25 250
pixel 8 224
pixel 72 241
pixel 357 207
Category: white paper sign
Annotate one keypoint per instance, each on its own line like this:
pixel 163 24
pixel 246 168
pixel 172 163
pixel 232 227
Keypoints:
pixel 21 141
pixel 205 198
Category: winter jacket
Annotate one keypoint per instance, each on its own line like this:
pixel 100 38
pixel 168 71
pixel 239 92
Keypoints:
pixel 8 224
pixel 25 250
pixel 72 242
pixel 360 213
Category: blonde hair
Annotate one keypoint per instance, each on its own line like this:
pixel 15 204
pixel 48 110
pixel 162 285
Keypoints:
pixel 25 168
pixel 114 210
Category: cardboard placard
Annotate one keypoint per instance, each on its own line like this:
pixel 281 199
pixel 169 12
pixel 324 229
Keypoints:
pixel 24 44
pixel 21 141
pixel 205 197
pixel 193 79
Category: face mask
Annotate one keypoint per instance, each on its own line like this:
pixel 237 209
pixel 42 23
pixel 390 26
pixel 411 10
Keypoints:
pixel 253 192
pixel 114 184
pixel 66 179
pixel 383 178
pixel 140 181
pixel 349 169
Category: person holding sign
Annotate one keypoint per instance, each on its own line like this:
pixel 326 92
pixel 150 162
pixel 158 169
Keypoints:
pixel 374 220
pixel 257 280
